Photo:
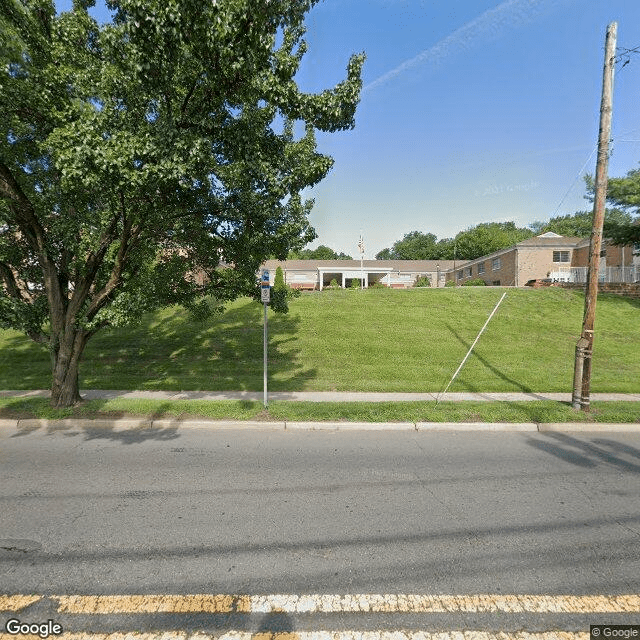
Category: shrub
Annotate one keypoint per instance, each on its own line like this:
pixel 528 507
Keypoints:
pixel 278 280
pixel 422 281
pixel 476 282
pixel 449 283
pixel 355 283
pixel 281 293
pixel 333 284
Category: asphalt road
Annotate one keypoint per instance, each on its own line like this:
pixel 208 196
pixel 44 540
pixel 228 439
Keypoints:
pixel 193 511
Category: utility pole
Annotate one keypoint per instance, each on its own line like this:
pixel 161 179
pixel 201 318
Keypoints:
pixel 584 348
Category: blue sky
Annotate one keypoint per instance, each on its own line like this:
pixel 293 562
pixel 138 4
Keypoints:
pixel 472 111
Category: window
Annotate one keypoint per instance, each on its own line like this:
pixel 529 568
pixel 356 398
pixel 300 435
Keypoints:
pixel 496 283
pixel 459 274
pixel 480 268
pixel 467 272
pixel 561 256
pixel 496 264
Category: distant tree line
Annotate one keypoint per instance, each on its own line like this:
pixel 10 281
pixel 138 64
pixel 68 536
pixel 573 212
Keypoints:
pixel 474 242
pixel 319 253
pixel 621 227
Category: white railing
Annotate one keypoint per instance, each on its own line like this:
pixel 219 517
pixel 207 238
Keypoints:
pixel 606 274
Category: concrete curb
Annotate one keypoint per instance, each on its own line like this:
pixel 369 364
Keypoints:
pixel 167 423
pixel 126 424
pixel 476 426
pixel 74 423
pixel 350 426
pixel 579 426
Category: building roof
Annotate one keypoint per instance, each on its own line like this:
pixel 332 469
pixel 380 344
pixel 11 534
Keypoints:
pixel 369 265
pixel 546 240
pixel 550 241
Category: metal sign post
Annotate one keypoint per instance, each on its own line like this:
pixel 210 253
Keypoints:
pixel 361 249
pixel 265 296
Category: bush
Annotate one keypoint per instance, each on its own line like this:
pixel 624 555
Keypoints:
pixel 355 283
pixel 334 284
pixel 476 282
pixel 278 281
pixel 281 293
pixel 449 283
pixel 422 281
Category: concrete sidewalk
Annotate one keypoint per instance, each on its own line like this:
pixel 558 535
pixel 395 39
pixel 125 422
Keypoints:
pixel 329 396
pixel 172 424
pixel 169 426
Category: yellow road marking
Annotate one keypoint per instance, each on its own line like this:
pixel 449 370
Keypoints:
pixel 319 635
pixel 17 603
pixel 357 603
pixel 146 604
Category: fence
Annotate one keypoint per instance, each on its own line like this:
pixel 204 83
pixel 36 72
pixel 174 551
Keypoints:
pixel 605 274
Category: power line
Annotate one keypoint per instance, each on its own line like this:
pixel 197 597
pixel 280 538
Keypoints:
pixel 624 55
pixel 574 181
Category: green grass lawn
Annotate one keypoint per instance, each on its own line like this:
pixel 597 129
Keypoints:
pixel 375 340
pixel 535 411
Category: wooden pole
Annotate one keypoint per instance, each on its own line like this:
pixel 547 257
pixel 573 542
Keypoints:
pixel 584 348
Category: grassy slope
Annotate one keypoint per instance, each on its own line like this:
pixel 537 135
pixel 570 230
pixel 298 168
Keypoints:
pixel 535 411
pixel 377 340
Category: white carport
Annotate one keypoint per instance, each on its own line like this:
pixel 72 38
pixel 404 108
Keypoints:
pixel 326 274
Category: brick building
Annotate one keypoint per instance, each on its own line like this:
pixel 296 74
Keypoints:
pixel 397 274
pixel 560 258
pixel 549 255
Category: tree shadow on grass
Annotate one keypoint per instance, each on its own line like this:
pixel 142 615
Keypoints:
pixel 471 387
pixel 175 352
pixel 23 363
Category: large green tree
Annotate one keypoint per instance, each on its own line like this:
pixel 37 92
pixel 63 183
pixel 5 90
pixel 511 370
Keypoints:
pixel 413 246
pixel 471 243
pixel 579 224
pixel 137 154
pixel 488 237
pixel 624 193
pixel 321 252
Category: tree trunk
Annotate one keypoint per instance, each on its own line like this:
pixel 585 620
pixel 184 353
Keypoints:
pixel 66 354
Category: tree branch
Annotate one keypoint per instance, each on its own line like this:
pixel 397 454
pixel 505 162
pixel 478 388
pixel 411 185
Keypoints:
pixel 13 288
pixel 34 233
pixel 185 102
pixel 130 235
pixel 94 262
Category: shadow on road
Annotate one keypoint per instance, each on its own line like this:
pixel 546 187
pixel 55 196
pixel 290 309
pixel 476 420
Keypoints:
pixel 588 453
pixel 277 622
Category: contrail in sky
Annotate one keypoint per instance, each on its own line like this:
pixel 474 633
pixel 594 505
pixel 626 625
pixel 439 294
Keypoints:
pixel 485 27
